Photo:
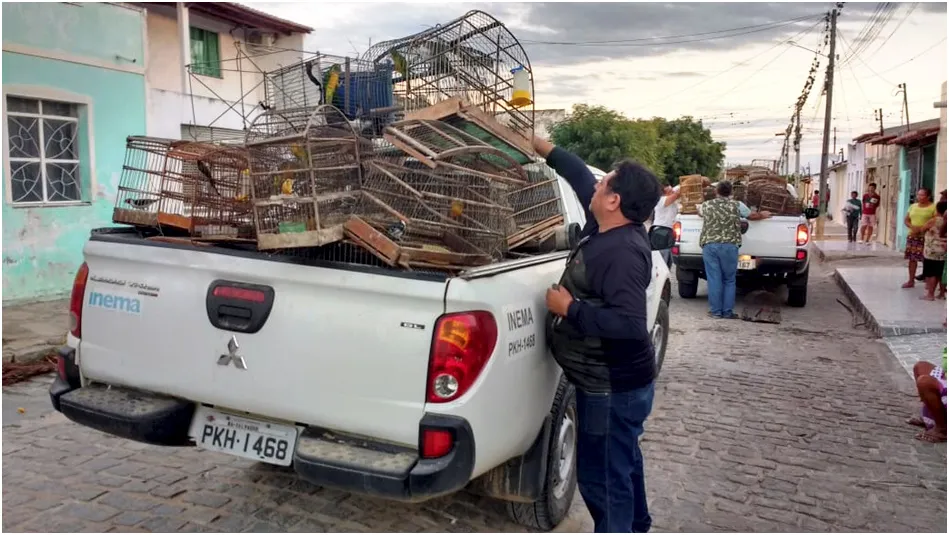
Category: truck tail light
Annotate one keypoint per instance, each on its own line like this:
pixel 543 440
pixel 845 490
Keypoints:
pixel 462 346
pixel 677 230
pixel 436 443
pixel 801 254
pixel 802 235
pixel 76 300
pixel 240 294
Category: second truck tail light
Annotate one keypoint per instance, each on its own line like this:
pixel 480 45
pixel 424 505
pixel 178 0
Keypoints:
pixel 462 346
pixel 802 235
pixel 677 230
pixel 76 300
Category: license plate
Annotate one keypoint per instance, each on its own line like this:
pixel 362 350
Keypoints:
pixel 746 262
pixel 252 439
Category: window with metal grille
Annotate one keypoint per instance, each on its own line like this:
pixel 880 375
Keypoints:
pixel 205 52
pixel 43 151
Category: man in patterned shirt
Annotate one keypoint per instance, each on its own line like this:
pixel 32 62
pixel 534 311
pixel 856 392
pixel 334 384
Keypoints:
pixel 720 240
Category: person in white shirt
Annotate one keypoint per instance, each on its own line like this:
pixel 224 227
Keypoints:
pixel 665 215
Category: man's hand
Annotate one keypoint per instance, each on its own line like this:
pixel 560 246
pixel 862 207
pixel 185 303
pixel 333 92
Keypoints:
pixel 558 300
pixel 542 147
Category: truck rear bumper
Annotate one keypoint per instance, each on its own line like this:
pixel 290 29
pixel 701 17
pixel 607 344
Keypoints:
pixel 323 458
pixel 766 265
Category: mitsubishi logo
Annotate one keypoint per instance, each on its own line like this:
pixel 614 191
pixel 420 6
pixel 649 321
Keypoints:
pixel 232 355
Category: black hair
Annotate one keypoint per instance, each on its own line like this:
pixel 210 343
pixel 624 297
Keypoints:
pixel 638 189
pixel 855 193
pixel 941 207
pixel 724 188
pixel 929 193
pixel 873 184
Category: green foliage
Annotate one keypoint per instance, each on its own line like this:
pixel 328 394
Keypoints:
pixel 602 137
pixel 668 148
pixel 693 149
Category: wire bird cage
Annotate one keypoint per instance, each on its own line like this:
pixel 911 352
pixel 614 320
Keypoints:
pixel 443 209
pixel 474 57
pixel 439 143
pixel 190 186
pixel 362 90
pixel 536 206
pixel 305 175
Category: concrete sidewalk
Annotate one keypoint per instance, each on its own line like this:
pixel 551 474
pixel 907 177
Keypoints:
pixel 910 327
pixel 32 331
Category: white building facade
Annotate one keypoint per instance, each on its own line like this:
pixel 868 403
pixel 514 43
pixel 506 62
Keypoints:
pixel 205 63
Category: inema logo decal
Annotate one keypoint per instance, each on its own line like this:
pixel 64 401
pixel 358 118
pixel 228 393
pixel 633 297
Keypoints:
pixel 120 303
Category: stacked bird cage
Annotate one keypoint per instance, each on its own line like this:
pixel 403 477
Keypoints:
pixel 305 174
pixel 739 191
pixel 221 206
pixel 361 90
pixel 537 210
pixel 474 57
pixel 442 209
pixel 139 190
pixel 691 193
pixel 159 181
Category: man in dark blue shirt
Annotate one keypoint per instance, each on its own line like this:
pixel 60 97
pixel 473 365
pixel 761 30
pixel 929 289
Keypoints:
pixel 597 332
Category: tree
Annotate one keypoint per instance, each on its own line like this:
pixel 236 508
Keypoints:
pixel 601 137
pixel 690 150
pixel 669 149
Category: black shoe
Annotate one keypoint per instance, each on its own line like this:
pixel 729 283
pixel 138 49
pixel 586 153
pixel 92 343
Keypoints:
pixel 731 316
pixel 920 277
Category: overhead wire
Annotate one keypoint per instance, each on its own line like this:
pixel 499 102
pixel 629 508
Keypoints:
pixel 858 58
pixel 909 11
pixel 932 46
pixel 652 41
pixel 733 67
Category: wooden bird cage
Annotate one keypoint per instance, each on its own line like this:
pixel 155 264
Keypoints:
pixel 161 180
pixel 473 57
pixel 221 208
pixel 536 206
pixel 305 174
pixel 432 204
pixel 691 193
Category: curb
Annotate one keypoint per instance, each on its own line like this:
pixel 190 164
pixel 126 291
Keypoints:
pixel 30 354
pixel 871 322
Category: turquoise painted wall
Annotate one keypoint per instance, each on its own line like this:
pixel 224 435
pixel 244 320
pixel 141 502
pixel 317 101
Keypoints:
pixel 42 246
pixel 99 31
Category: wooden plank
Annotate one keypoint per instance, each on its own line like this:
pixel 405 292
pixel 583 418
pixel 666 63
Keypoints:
pixel 359 230
pixel 409 149
pixel 445 108
pixel 500 131
pixel 526 235
pixel 290 240
pixel 442 258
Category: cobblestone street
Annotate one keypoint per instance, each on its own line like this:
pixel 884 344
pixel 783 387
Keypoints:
pixel 757 427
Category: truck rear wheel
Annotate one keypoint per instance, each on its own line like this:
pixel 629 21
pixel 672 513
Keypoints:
pixel 688 283
pixel 797 291
pixel 560 482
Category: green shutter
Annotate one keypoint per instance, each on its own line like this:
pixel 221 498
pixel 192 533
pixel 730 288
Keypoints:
pixel 205 52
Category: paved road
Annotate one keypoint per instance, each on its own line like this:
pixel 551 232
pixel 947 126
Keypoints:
pixel 790 427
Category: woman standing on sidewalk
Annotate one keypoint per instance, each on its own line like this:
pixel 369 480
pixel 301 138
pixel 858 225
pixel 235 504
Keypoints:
pixel 917 216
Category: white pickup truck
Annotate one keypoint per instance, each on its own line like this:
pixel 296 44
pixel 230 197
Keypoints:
pixel 401 385
pixel 773 250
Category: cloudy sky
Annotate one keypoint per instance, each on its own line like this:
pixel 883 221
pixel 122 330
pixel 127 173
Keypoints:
pixel 730 64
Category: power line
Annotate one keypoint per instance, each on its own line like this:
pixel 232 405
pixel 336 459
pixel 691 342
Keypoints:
pixel 733 67
pixel 934 45
pixel 912 7
pixel 857 57
pixel 642 41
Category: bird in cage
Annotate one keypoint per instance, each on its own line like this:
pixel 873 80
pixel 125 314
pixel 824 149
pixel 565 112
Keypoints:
pixel 299 152
pixel 206 171
pixel 457 208
pixel 141 204
pixel 331 83
pixel 396 231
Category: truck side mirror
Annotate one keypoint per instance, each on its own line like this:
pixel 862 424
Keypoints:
pixel 661 238
pixel 811 213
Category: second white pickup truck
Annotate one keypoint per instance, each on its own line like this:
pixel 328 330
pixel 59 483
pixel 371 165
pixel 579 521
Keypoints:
pixel 772 250
pixel 402 385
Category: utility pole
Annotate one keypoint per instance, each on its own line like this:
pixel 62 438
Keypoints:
pixel 905 104
pixel 835 140
pixel 829 81
pixel 879 116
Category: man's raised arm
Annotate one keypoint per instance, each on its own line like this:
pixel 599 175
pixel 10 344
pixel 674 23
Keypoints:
pixel 572 168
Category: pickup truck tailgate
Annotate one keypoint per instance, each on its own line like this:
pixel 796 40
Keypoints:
pixel 342 349
pixel 775 237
